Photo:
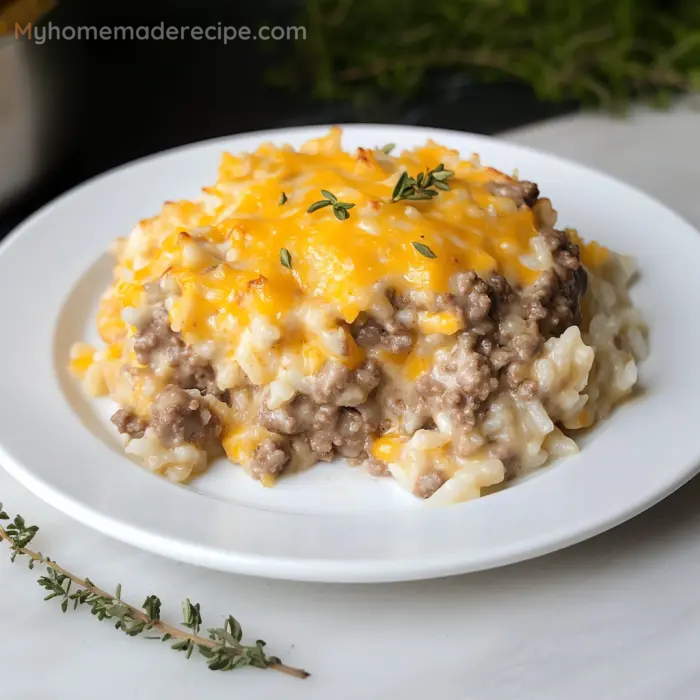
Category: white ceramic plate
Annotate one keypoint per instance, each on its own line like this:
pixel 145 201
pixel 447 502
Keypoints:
pixel 334 523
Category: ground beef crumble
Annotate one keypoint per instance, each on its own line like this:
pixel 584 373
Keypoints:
pixel 368 333
pixel 427 484
pixel 128 423
pixel 154 335
pixel 179 417
pixel 339 385
pixel 271 457
pixel 326 428
pixel 522 192
pixel 376 467
pixel 155 339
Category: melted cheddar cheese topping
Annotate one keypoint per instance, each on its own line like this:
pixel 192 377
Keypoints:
pixel 222 252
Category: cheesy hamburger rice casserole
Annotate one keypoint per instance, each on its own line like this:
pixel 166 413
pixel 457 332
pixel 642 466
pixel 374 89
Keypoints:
pixel 415 313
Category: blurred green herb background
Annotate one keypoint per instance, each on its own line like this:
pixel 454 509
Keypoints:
pixel 599 52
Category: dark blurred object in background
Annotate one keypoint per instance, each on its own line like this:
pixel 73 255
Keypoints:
pixel 38 95
pixel 122 99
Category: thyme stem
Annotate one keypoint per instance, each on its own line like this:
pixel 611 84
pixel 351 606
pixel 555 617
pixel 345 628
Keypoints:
pixel 21 535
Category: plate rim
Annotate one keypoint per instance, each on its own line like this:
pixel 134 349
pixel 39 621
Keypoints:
pixel 323 571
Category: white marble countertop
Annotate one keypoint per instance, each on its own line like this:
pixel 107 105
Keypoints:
pixel 616 617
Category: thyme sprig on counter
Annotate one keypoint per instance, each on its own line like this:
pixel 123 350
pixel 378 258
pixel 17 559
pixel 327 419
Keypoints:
pixel 223 648
pixel 421 186
pixel 340 209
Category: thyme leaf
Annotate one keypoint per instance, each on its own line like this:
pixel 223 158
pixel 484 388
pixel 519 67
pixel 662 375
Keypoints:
pixel 340 209
pixel 424 250
pixel 286 258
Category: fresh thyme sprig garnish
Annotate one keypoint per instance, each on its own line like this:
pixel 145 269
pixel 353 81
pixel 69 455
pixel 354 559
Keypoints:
pixel 388 148
pixel 340 209
pixel 423 249
pixel 223 648
pixel 421 186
